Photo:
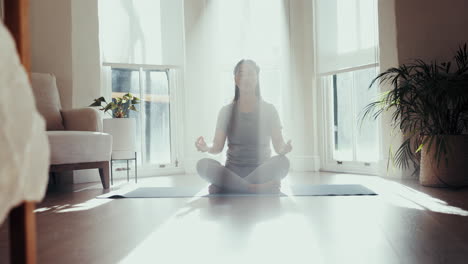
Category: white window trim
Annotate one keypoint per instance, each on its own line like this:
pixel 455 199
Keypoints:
pixel 362 67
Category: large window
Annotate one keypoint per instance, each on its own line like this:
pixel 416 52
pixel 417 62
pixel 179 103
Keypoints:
pixel 141 44
pixel 347 94
pixel 156 115
pixel 347 61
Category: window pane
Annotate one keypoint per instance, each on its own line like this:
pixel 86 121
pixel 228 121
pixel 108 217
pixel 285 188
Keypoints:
pixel 342 117
pixel 346 34
pixel 131 31
pixel 156 112
pixel 367 140
pixel 354 141
pixel 153 138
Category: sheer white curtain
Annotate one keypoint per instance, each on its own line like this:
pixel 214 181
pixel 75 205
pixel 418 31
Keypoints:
pixel 130 31
pixel 346 34
pixel 220 33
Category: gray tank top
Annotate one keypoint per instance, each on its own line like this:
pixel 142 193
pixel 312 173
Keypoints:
pixel 248 133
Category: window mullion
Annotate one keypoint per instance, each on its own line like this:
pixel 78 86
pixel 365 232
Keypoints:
pixel 142 106
pixel 354 115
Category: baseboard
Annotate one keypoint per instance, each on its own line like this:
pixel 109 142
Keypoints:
pixel 305 163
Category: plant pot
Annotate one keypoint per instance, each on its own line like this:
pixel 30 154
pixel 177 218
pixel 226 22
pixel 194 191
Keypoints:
pixel 123 131
pixel 453 175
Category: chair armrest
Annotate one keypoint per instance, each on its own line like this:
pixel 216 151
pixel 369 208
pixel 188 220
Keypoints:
pixel 82 119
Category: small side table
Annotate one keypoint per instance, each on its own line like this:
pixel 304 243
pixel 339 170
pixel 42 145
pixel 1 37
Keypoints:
pixel 128 169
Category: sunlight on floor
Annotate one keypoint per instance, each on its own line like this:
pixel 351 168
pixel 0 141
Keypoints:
pixel 66 208
pixel 403 196
pixel 88 205
pixel 287 239
pixel 51 208
pixel 194 234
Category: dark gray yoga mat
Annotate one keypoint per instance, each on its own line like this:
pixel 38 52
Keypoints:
pixel 299 190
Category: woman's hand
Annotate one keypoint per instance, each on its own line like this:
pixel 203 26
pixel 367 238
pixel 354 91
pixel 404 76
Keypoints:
pixel 286 148
pixel 201 145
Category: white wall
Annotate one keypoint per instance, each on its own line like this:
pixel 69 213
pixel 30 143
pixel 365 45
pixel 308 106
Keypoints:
pixel 388 58
pixel 51 43
pixel 85 52
pixel 305 156
pixel 430 29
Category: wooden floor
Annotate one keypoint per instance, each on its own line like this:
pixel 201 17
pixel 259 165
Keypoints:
pixel 405 223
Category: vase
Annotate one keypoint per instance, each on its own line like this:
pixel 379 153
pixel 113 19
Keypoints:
pixel 123 131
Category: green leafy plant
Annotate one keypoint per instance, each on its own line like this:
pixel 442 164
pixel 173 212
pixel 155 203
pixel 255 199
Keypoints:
pixel 119 106
pixel 429 101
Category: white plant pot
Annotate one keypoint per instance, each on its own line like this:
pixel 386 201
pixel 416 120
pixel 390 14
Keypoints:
pixel 123 131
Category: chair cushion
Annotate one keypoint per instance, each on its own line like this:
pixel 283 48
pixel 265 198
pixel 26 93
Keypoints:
pixel 47 99
pixel 79 146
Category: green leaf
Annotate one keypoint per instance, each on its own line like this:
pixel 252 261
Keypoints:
pixel 419 148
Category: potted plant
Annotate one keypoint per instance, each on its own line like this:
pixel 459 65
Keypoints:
pixel 430 106
pixel 121 127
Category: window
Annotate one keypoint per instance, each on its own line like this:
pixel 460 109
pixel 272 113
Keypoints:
pixel 349 94
pixel 141 44
pixel 156 115
pixel 349 145
pixel 347 61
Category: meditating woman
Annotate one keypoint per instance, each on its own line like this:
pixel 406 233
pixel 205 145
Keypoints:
pixel 249 124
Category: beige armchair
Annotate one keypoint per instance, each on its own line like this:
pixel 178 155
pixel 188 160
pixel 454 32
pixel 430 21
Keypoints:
pixel 75 136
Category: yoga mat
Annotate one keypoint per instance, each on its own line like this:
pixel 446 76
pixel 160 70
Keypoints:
pixel 299 190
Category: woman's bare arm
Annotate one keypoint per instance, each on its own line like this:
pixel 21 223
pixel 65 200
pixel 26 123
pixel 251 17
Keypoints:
pixel 279 145
pixel 218 142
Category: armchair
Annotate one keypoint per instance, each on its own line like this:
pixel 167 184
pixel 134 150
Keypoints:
pixel 75 136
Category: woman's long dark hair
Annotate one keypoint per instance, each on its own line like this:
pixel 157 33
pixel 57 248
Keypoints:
pixel 233 119
pixel 236 70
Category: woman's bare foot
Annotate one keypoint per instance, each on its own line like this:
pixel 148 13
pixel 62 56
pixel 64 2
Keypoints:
pixel 213 189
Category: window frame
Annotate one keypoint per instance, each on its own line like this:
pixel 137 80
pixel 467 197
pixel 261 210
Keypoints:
pixel 175 109
pixel 327 131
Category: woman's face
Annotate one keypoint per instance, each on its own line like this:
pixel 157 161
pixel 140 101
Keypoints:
pixel 246 77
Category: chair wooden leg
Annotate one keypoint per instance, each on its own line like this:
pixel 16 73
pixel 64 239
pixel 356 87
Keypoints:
pixel 23 234
pixel 104 174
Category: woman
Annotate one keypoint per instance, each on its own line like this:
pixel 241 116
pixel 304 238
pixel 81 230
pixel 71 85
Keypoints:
pixel 248 123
